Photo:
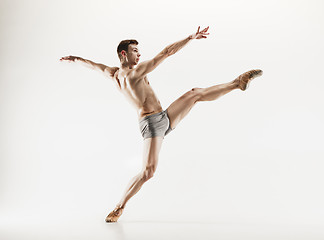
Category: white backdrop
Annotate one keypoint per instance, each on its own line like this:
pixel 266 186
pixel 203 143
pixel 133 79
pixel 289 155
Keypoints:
pixel 70 141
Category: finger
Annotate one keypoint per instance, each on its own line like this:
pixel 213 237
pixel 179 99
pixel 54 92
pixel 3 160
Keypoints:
pixel 198 29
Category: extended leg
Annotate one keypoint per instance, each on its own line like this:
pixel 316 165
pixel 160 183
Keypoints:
pixel 152 148
pixel 181 107
pixel 214 92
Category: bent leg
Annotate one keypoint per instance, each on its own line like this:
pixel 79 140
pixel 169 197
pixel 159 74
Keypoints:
pixel 152 148
pixel 182 106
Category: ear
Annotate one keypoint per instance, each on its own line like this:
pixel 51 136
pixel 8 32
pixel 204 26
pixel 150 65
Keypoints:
pixel 123 53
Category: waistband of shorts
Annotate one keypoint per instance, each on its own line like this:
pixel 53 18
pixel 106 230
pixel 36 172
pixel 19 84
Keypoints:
pixel 152 115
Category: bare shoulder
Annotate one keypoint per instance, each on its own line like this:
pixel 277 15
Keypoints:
pixel 111 72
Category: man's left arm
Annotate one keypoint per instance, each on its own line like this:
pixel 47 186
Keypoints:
pixel 175 47
pixel 148 66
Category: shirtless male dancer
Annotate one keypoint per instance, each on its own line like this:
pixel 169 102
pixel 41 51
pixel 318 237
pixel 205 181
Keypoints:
pixel 154 122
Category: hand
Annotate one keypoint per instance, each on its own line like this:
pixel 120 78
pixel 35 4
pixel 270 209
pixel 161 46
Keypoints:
pixel 70 58
pixel 200 34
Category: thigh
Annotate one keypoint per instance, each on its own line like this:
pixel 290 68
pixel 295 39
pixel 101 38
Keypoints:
pixel 152 147
pixel 182 106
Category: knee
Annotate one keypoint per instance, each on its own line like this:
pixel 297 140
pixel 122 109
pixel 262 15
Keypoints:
pixel 148 173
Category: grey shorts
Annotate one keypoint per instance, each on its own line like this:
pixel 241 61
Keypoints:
pixel 157 124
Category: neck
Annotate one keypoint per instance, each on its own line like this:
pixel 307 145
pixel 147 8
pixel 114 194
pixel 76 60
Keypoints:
pixel 126 66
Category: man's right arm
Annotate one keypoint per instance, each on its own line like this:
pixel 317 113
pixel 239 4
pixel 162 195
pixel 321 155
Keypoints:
pixel 107 71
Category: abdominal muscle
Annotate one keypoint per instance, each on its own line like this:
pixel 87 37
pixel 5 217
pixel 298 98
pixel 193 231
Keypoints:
pixel 141 96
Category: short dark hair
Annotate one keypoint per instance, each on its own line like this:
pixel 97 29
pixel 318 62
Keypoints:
pixel 123 45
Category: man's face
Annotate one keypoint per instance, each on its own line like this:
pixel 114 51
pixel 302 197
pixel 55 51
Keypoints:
pixel 133 54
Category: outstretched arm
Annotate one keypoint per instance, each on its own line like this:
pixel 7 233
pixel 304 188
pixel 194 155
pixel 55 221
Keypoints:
pixel 107 71
pixel 175 47
pixel 148 66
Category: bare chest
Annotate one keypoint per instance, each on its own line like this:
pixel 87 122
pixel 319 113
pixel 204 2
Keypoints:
pixel 126 85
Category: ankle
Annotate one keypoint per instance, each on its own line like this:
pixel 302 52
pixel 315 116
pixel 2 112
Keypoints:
pixel 119 205
pixel 235 84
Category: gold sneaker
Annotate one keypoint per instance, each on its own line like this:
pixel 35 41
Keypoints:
pixel 244 79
